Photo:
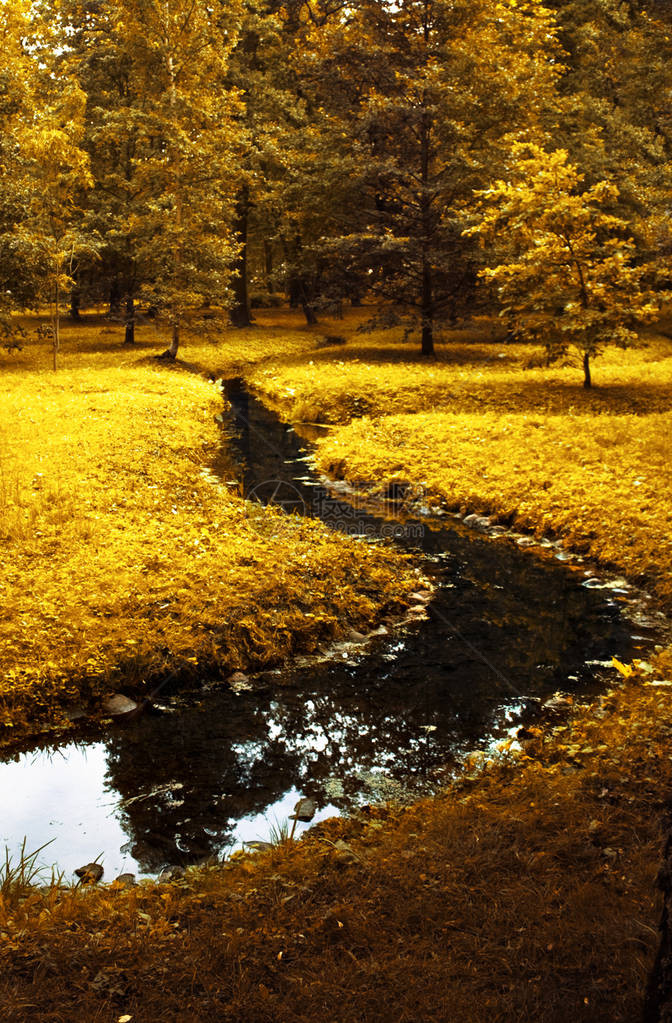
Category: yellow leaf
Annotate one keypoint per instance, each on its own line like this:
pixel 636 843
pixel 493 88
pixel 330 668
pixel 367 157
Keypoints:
pixel 626 670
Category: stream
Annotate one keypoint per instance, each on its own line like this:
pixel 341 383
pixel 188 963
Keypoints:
pixel 205 772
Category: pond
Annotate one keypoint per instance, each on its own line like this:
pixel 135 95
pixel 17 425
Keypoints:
pixel 202 773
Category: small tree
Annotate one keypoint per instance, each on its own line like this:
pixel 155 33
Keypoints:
pixel 60 173
pixel 565 276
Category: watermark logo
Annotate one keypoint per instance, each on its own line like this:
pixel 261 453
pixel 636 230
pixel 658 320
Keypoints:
pixel 279 494
pixel 351 514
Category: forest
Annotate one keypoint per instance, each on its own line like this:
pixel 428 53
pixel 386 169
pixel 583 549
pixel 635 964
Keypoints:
pixel 335 511
pixel 166 158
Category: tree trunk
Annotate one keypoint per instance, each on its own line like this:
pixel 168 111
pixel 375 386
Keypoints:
pixel 170 353
pixel 129 333
pixel 294 292
pixel 75 302
pixel 56 319
pixel 309 312
pixel 268 266
pixel 427 311
pixel 587 379
pixel 298 296
pixel 239 313
pixel 427 300
pixel 115 299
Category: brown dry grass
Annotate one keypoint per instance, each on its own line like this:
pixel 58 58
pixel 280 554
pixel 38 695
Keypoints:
pixel 524 893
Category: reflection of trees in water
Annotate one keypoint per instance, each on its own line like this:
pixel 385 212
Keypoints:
pixel 211 767
pixel 235 756
pixel 504 623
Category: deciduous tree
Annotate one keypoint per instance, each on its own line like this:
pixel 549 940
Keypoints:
pixel 567 276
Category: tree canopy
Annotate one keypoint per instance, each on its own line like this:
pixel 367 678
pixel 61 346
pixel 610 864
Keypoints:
pixel 436 156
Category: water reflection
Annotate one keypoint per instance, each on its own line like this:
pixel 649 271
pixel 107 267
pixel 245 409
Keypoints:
pixel 506 628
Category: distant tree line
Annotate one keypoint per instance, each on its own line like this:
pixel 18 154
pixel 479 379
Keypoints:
pixel 439 156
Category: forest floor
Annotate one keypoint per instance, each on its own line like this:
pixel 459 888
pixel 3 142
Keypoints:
pixel 524 892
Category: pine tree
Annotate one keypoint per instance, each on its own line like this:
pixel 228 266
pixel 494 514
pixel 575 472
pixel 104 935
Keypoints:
pixel 18 268
pixel 164 146
pixel 45 168
pixel 416 102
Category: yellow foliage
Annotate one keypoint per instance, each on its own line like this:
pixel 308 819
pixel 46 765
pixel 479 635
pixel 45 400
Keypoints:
pixel 477 429
pixel 123 557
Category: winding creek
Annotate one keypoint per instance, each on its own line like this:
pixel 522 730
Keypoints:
pixel 204 772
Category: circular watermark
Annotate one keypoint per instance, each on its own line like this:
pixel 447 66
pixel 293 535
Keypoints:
pixel 280 494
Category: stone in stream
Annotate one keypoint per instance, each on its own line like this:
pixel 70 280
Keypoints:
pixel 125 880
pixel 256 845
pixel 239 682
pixel 481 522
pixel 116 704
pixel 558 704
pixel 90 873
pixel 171 874
pixel 304 811
pixel 75 713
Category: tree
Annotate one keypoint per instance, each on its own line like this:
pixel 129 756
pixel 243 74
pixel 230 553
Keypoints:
pixel 616 124
pixel 60 173
pixel 567 279
pixel 44 170
pixel 416 101
pixel 164 145
pixel 255 72
pixel 265 68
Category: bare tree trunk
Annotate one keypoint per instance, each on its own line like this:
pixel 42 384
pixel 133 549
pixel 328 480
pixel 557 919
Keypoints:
pixel 129 332
pixel 115 299
pixel 587 379
pixel 239 313
pixel 268 266
pixel 427 313
pixel 75 302
pixel 309 312
pixel 427 297
pixel 175 341
pixel 56 319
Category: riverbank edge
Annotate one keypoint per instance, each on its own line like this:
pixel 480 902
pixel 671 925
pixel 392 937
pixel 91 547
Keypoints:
pixel 62 693
pixel 532 871
pixel 609 759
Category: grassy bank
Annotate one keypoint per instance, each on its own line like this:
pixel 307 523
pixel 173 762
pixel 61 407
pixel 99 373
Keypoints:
pixel 479 430
pixel 124 558
pixel 524 892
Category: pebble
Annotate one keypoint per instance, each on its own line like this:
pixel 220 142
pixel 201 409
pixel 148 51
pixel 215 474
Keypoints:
pixel 125 880
pixel 90 873
pixel 117 704
pixel 170 874
pixel 240 682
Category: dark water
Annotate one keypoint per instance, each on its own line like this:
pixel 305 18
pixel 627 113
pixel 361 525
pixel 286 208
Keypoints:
pixel 207 771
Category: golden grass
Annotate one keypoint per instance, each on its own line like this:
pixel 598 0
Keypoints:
pixel 482 432
pixel 123 557
pixel 526 892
